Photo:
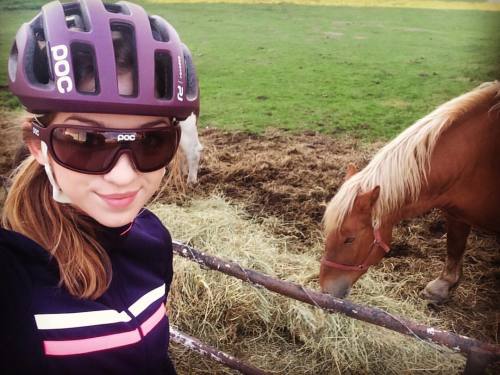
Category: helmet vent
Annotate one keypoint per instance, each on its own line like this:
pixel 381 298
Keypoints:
pixel 158 29
pixel 192 83
pixel 74 18
pixel 41 70
pixel 39 35
pixel 13 62
pixel 84 65
pixel 163 75
pixel 125 56
pixel 116 8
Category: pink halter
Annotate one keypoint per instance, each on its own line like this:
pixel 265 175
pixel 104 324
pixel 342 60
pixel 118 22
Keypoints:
pixel 377 243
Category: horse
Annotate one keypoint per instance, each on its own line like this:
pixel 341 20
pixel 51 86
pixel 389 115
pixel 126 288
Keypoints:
pixel 450 160
pixel 191 149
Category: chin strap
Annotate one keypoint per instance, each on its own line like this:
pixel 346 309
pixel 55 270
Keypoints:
pixel 57 194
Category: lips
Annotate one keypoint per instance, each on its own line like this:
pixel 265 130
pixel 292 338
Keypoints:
pixel 119 200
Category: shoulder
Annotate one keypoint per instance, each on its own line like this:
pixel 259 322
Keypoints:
pixel 19 340
pixel 23 262
pixel 15 282
pixel 11 254
pixel 148 221
pixel 154 239
pixel 16 247
pixel 10 264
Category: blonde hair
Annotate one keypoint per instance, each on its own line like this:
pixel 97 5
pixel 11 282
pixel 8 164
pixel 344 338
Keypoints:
pixel 67 234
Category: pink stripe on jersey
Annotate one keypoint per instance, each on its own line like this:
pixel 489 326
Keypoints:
pixel 153 320
pixel 94 344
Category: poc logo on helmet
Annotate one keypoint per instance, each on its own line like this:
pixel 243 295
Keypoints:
pixel 61 68
pixel 126 137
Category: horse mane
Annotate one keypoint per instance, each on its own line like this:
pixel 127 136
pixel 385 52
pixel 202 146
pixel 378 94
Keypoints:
pixel 401 166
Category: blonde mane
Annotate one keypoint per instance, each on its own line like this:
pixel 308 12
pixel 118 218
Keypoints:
pixel 402 165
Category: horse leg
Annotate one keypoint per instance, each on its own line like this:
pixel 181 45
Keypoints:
pixel 193 163
pixel 193 160
pixel 438 290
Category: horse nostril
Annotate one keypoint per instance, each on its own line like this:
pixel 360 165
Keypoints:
pixel 346 293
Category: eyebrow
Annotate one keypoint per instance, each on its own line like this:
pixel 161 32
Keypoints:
pixel 100 124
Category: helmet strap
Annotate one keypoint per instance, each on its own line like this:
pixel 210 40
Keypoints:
pixel 57 194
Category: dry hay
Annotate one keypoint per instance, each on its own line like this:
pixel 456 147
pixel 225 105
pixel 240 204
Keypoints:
pixel 289 178
pixel 276 333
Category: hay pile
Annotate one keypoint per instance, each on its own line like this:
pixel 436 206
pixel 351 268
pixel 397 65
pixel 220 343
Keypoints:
pixel 291 177
pixel 273 332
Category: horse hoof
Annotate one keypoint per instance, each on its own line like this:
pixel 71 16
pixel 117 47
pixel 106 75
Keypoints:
pixel 432 299
pixel 437 291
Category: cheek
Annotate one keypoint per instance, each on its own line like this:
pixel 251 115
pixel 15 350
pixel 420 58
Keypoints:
pixel 153 180
pixel 71 183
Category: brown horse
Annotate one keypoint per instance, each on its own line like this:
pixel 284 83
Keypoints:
pixel 449 160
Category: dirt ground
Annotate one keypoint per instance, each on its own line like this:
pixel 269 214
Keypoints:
pixel 292 176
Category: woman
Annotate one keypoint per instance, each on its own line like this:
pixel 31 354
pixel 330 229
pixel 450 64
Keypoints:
pixel 85 268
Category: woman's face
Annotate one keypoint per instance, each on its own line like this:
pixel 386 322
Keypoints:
pixel 115 198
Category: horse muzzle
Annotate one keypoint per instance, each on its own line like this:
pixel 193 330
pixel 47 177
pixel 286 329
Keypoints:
pixel 338 288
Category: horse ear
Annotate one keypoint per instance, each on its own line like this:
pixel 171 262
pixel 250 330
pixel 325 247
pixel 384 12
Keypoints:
pixel 365 201
pixel 374 194
pixel 351 170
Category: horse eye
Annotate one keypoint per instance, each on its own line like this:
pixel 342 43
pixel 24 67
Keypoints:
pixel 349 240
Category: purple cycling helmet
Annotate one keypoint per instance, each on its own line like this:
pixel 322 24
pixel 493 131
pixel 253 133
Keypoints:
pixel 46 79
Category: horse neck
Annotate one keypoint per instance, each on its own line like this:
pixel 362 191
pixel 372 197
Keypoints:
pixel 423 204
pixel 388 221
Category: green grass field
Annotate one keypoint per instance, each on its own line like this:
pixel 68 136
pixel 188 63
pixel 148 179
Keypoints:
pixel 368 71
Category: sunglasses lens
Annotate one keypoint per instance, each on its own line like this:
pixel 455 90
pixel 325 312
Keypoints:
pixel 94 150
pixel 155 148
pixel 82 149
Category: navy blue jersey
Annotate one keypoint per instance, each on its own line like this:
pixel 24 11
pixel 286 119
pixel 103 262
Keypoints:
pixel 125 331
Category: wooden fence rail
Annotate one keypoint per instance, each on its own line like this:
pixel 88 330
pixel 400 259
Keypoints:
pixel 479 354
pixel 199 347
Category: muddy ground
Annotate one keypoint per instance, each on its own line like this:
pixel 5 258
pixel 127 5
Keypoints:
pixel 292 176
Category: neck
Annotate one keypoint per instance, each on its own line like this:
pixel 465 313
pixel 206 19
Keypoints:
pixel 424 203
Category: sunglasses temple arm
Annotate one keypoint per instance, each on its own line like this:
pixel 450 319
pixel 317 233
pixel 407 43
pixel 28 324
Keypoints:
pixel 40 132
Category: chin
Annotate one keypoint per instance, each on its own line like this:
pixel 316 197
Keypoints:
pixel 120 219
pixel 115 219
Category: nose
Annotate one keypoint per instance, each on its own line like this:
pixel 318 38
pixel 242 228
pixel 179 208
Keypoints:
pixel 338 288
pixel 123 172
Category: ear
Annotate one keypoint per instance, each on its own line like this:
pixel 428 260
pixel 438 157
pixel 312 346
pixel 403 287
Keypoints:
pixel 35 147
pixel 374 194
pixel 352 169
pixel 365 201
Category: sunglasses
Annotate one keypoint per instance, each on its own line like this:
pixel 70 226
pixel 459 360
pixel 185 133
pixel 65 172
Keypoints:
pixel 95 150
